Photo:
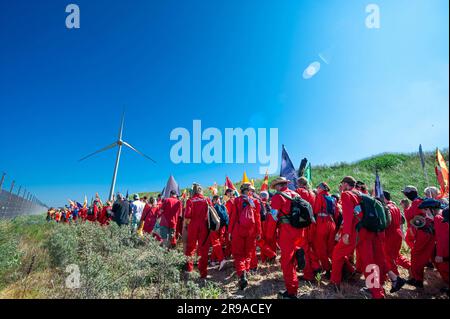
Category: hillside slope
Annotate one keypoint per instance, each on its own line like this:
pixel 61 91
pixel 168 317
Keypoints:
pixel 396 170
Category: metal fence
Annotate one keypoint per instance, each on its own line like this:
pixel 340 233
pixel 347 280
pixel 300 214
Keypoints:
pixel 18 203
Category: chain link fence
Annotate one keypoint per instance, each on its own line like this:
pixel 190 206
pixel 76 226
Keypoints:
pixel 20 203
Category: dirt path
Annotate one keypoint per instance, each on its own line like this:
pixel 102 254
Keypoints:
pixel 269 280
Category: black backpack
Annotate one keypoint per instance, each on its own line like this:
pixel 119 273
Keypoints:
pixel 90 211
pixel 301 214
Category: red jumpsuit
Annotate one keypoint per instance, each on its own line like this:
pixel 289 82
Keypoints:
pixel 96 211
pixel 412 211
pixel 269 249
pixel 369 246
pixel 243 239
pixel 291 239
pixel 217 251
pixel 442 246
pixel 393 241
pixel 149 216
pixel 312 259
pixel 324 240
pixel 197 213
pixel 423 242
pixel 170 211
pixel 103 218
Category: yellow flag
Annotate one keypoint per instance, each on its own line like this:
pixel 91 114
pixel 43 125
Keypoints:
pixel 245 178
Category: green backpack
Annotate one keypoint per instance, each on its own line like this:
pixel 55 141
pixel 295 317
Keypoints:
pixel 374 215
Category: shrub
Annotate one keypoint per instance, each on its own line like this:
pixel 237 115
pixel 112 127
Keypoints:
pixel 116 263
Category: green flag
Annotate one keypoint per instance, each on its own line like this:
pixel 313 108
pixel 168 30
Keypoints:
pixel 307 173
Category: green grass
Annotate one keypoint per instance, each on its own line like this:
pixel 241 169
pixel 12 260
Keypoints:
pixel 396 170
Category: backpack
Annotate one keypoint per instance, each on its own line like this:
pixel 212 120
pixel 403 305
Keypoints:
pixel 90 211
pixel 247 216
pixel 331 205
pixel 301 214
pixel 264 210
pixel 374 215
pixel 223 214
pixel 213 219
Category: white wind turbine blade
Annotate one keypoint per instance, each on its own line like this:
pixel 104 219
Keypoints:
pixel 121 126
pixel 140 153
pixel 101 150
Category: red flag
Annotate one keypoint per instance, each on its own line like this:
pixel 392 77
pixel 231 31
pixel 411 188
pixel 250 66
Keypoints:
pixel 229 184
pixel 265 184
pixel 441 173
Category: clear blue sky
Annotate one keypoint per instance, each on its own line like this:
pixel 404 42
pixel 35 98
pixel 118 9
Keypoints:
pixel 228 63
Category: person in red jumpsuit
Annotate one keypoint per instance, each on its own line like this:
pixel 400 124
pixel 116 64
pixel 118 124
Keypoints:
pixel 269 228
pixel 260 242
pixel 150 215
pixel 424 244
pixel 196 218
pixel 170 211
pixel 421 238
pixel 442 246
pixel 370 244
pixel 105 214
pixel 360 187
pixel 392 243
pixel 215 239
pixel 394 238
pixel 225 234
pixel 245 230
pixel 326 216
pixel 412 194
pixel 312 263
pixel 291 239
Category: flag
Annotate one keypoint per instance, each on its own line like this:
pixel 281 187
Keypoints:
pixel 253 182
pixel 126 196
pixel 85 202
pixel 171 185
pixel 378 188
pixel 422 158
pixel 72 203
pixel 301 169
pixel 307 172
pixel 265 184
pixel 422 162
pixel 245 178
pixel 229 184
pixel 213 189
pixel 287 169
pixel 441 173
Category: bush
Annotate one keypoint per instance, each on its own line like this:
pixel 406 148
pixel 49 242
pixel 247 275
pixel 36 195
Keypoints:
pixel 116 263
pixel 384 161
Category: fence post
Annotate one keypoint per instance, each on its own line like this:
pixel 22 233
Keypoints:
pixel 2 180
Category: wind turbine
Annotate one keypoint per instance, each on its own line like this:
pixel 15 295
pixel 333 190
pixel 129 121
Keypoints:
pixel 119 143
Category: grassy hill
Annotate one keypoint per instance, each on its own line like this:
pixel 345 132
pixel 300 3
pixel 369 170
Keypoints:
pixel 396 170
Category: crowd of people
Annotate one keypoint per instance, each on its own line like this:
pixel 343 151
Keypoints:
pixel 314 232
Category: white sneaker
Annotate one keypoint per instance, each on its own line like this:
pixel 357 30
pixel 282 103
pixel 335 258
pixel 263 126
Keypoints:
pixel 222 264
